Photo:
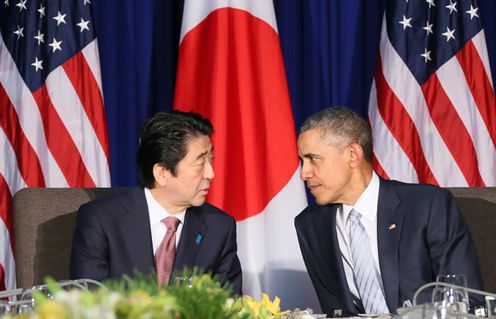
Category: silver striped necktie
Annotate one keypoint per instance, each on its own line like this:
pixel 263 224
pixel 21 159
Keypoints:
pixel 364 272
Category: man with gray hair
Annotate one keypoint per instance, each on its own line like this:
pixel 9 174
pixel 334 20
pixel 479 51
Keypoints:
pixel 369 243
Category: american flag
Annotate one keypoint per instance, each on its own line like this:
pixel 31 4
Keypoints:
pixel 432 105
pixel 52 122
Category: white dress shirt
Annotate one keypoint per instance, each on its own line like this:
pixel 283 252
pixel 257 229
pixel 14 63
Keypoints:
pixel 157 213
pixel 366 205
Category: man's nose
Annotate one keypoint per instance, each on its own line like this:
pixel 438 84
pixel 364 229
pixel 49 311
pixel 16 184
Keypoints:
pixel 209 171
pixel 306 172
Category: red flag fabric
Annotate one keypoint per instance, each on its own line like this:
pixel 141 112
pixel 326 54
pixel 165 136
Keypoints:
pixel 231 70
pixel 52 123
pixel 432 106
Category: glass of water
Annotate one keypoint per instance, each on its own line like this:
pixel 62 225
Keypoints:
pixel 454 299
pixel 4 308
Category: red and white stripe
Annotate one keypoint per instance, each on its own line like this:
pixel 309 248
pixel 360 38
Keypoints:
pixel 9 169
pixel 53 137
pixel 442 132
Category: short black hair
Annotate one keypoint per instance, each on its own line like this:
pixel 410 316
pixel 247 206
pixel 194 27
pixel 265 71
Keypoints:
pixel 342 126
pixel 164 140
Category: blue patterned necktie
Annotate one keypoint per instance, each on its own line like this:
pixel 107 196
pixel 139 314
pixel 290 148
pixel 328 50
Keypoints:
pixel 366 277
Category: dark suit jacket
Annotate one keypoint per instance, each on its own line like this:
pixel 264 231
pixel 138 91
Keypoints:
pixel 430 238
pixel 113 238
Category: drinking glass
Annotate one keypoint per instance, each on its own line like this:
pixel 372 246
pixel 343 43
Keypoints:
pixel 4 308
pixel 491 306
pixel 455 300
pixel 26 303
pixel 423 311
pixel 449 301
pixel 22 306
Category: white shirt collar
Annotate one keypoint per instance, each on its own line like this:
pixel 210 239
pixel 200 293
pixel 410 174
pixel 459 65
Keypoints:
pixel 157 212
pixel 366 204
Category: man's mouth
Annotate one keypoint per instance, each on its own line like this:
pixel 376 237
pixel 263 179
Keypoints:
pixel 312 185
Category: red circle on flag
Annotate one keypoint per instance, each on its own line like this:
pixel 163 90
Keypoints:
pixel 231 70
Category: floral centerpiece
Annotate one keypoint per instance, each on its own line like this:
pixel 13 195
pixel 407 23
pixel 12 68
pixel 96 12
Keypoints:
pixel 201 297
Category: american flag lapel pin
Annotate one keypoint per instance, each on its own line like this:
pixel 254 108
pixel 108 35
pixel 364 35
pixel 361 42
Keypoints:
pixel 392 226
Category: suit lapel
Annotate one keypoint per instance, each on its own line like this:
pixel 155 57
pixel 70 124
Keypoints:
pixel 389 225
pixel 331 264
pixel 135 227
pixel 192 235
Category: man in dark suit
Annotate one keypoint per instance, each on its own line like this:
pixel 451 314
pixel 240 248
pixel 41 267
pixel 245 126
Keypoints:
pixel 130 231
pixel 408 233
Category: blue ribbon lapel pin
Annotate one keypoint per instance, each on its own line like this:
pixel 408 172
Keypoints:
pixel 198 239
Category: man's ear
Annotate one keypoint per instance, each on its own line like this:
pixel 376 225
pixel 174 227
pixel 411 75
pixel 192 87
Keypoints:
pixel 161 175
pixel 356 155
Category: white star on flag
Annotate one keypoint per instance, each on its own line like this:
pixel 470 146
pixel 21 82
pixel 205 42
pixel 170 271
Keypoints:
pixel 405 22
pixel 60 18
pixel 18 32
pixel 22 5
pixel 452 7
pixel 41 10
pixel 431 3
pixel 473 12
pixel 449 34
pixel 37 64
pixel 83 25
pixel 426 55
pixel 40 37
pixel 55 45
pixel 428 27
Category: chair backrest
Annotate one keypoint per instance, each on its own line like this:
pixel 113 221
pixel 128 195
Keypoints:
pixel 478 206
pixel 44 220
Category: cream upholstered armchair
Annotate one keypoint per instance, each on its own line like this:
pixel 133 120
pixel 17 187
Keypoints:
pixel 44 220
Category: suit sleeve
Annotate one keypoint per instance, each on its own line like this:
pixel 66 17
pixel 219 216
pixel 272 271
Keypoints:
pixel 310 265
pixel 450 245
pixel 89 256
pixel 229 267
pixel 328 301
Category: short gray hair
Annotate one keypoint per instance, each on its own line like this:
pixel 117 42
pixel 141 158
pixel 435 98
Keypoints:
pixel 343 127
